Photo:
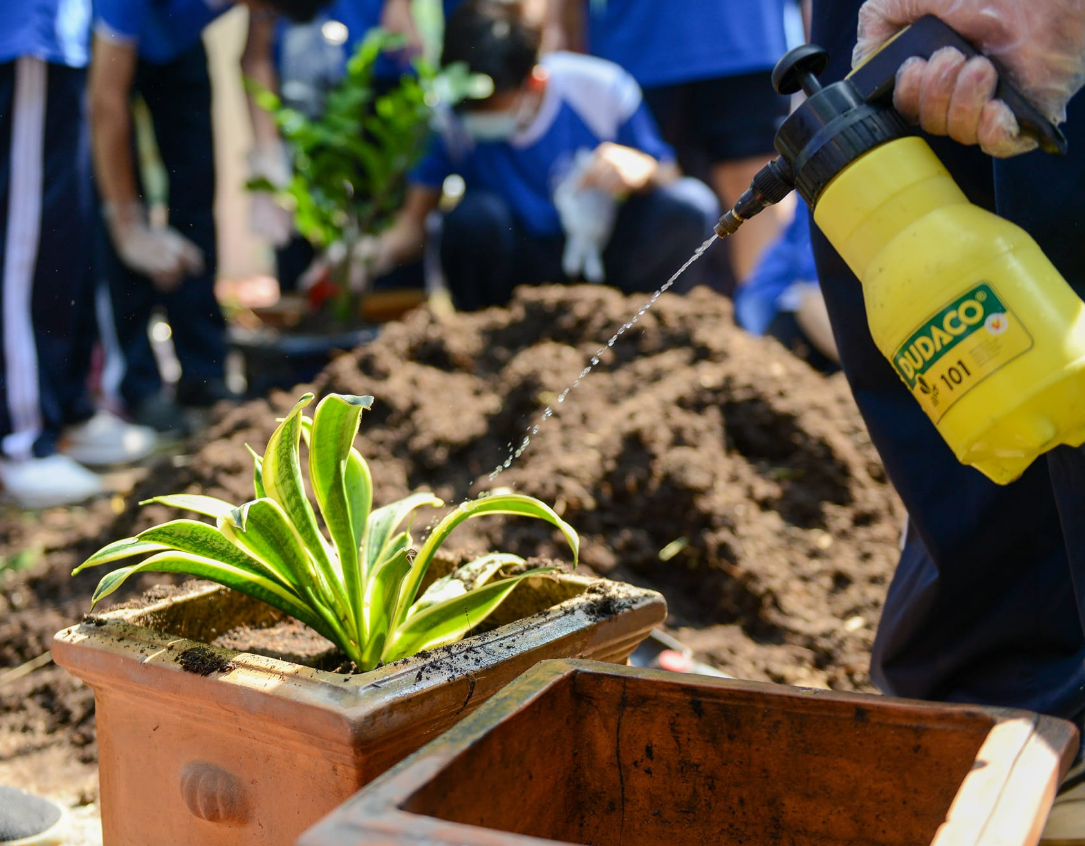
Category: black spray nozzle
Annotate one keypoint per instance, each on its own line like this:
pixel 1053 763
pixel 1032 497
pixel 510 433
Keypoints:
pixel 771 184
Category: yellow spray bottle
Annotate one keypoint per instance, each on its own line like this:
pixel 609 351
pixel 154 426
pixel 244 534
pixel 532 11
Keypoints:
pixel 976 321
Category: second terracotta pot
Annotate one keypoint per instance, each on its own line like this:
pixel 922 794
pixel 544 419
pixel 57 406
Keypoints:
pixel 579 752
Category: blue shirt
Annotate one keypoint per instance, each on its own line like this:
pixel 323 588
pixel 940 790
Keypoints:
pixel 162 29
pixel 56 31
pixel 587 101
pixel 786 262
pixel 667 42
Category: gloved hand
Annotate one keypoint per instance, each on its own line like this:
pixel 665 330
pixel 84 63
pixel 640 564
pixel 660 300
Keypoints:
pixel 587 218
pixel 160 253
pixel 1039 43
pixel 267 218
pixel 368 261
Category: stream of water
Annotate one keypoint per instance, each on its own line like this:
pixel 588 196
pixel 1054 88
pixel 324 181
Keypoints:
pixel 516 450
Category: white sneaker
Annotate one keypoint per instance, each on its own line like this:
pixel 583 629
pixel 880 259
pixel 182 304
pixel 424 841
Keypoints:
pixel 44 482
pixel 1066 822
pixel 105 439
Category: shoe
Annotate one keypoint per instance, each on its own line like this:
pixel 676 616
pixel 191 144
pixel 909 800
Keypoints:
pixel 1066 822
pixel 162 414
pixel 204 394
pixel 105 439
pixel 28 820
pixel 45 482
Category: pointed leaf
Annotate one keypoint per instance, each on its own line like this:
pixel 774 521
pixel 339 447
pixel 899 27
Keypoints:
pixel 447 622
pixel 124 548
pixel 514 504
pixel 335 425
pixel 209 506
pixel 384 521
pixel 197 538
pixel 204 568
pixel 381 594
pixel 466 578
pixel 360 495
pixel 282 481
pixel 257 472
pixel 262 529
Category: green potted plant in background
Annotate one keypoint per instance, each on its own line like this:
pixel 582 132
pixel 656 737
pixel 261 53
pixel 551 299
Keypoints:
pixel 198 743
pixel 350 163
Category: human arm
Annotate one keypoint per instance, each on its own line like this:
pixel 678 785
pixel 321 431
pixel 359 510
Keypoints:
pixel 159 253
pixel 555 29
pixel 268 158
pixel 1040 44
pixel 396 17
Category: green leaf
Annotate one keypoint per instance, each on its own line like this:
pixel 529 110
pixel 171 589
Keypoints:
pixel 384 521
pixel 283 483
pixel 257 472
pixel 381 595
pixel 257 587
pixel 206 505
pixel 511 504
pixel 448 621
pixel 335 425
pixel 262 529
pixel 125 548
pixel 197 538
pixel 466 578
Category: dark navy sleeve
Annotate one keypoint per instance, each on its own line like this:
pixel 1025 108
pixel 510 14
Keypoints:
pixel 435 166
pixel 641 132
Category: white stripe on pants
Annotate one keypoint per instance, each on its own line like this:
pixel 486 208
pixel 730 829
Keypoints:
pixel 21 256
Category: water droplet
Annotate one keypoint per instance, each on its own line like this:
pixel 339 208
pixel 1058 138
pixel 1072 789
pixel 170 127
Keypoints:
pixel 610 343
pixel 535 430
pixel 594 360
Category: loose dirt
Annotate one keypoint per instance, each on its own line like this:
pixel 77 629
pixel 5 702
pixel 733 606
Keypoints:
pixel 749 472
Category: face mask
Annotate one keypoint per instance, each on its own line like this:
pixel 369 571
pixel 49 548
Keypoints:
pixel 491 126
pixel 500 126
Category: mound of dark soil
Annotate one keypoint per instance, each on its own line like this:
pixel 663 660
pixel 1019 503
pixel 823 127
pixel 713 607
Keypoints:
pixel 694 459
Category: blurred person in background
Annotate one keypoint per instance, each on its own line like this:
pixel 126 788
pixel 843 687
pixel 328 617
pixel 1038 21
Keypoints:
pixel 47 420
pixel 302 62
pixel 153 48
pixel 565 174
pixel 781 298
pixel 705 68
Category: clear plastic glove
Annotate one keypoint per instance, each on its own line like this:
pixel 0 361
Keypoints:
pixel 1039 43
pixel 158 252
pixel 587 218
pixel 267 218
pixel 368 261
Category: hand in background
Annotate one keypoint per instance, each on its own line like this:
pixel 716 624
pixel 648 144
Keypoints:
pixel 160 253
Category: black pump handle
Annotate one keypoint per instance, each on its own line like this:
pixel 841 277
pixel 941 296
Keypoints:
pixel 876 77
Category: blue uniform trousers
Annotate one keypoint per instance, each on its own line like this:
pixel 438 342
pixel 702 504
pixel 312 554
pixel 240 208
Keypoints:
pixel 486 251
pixel 178 96
pixel 45 210
pixel 986 603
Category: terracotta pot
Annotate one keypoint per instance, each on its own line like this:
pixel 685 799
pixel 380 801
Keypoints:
pixel 580 752
pixel 258 749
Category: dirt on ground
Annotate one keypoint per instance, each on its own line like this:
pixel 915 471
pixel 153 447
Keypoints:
pixel 694 459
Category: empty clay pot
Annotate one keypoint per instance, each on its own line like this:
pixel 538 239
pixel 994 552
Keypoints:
pixel 581 752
